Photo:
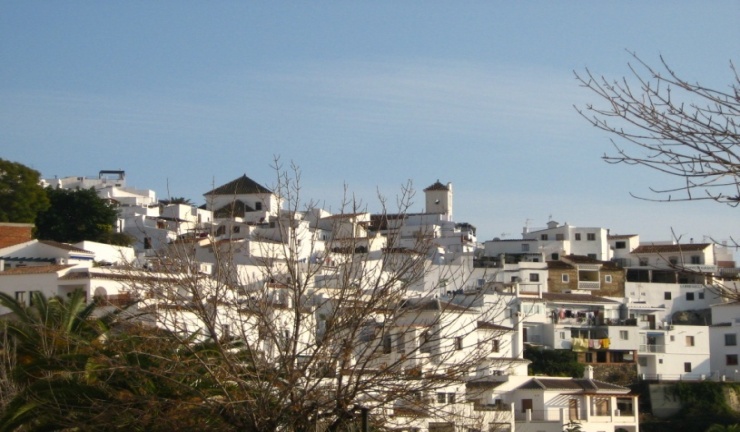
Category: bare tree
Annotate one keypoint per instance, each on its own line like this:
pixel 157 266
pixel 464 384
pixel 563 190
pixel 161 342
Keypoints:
pixel 315 320
pixel 680 128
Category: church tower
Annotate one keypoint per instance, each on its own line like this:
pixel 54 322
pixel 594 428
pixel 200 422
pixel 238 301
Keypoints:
pixel 439 199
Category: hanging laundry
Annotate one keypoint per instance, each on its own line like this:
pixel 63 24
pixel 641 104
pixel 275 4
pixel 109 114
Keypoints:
pixel 596 343
pixel 580 344
pixel 605 343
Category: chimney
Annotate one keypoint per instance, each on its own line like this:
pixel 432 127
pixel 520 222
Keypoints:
pixel 588 372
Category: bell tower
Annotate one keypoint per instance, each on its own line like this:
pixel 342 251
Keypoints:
pixel 439 199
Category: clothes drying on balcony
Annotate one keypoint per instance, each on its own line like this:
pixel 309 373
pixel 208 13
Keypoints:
pixel 583 344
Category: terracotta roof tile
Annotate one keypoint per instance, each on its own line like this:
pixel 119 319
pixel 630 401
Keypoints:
pixel 65 246
pixel 35 270
pixel 660 248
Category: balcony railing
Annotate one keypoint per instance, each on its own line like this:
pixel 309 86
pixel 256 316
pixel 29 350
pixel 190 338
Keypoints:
pixel 651 348
pixel 589 285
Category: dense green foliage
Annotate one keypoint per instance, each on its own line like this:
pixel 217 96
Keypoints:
pixel 74 216
pixel 76 371
pixel 553 362
pixel 21 195
pixel 704 406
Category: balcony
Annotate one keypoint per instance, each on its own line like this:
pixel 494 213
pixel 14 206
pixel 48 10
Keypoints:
pixel 589 285
pixel 651 348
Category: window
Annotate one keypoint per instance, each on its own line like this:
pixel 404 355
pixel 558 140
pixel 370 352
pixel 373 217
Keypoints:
pixel 696 259
pixel 30 296
pixel 441 398
pixel 566 278
pixel 496 345
pixel 730 339
pixel 387 344
pixel 20 297
pixel 578 236
pixel 673 260
pixel 589 357
pixel 689 342
pixel 620 245
pixel 590 236
pixel 687 367
pixel 562 335
pixel 624 334
pixel 608 278
pixel 258 206
pixel 701 295
pixel 667 295
pixel 673 338
pixel 643 261
pixel 555 256
pixel 731 359
pixel 534 277
pixel 525 247
pixel 642 361
pixel 592 256
pixel 451 398
pixel 458 343
pixel 690 296
pixel 559 237
pixel 401 343
pixel 543 237
pixel 526 405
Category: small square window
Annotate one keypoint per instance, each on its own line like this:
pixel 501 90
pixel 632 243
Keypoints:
pixel 555 256
pixel 458 343
pixel 525 247
pixel 690 296
pixel 559 237
pixel 441 398
pixel 543 237
pixel 696 259
pixel 592 256
pixel 660 361
pixel 566 278
pixel 451 398
pixel 534 277
pixel 730 339
pixel 624 335
pixel 687 367
pixel 578 236
pixel 701 296
pixel 689 341
pixel 608 278
pixel 590 236
pixel 496 345
pixel 731 360
pixel 620 245
pixel 562 335
pixel 673 338
pixel 667 295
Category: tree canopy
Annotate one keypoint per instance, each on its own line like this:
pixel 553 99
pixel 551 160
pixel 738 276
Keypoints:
pixel 75 215
pixel 21 195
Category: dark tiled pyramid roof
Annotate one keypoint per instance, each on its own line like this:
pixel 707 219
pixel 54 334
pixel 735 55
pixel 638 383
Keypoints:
pixel 437 186
pixel 241 186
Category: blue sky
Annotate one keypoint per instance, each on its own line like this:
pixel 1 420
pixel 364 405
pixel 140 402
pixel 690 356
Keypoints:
pixel 184 95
